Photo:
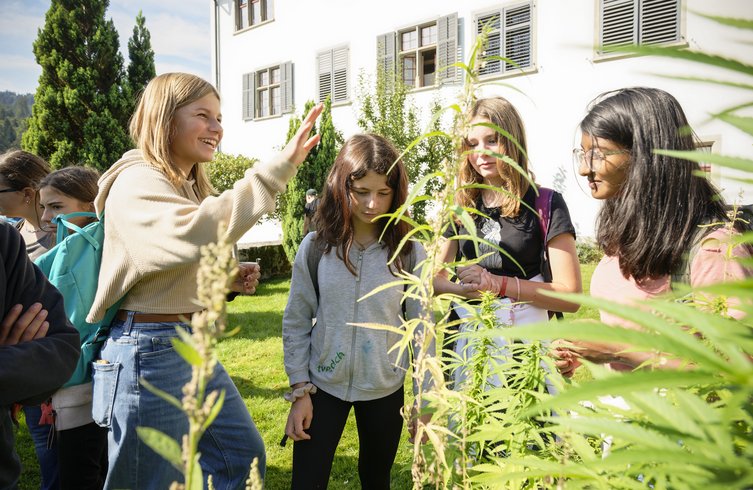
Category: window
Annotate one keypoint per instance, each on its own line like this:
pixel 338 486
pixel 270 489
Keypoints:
pixel 418 55
pixel 332 71
pixel 509 41
pixel 712 172
pixel 252 12
pixel 268 92
pixel 422 55
pixel 626 22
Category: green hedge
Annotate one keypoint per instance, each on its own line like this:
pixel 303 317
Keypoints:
pixel 225 169
pixel 588 252
pixel 272 260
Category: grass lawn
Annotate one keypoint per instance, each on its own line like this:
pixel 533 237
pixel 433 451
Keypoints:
pixel 253 358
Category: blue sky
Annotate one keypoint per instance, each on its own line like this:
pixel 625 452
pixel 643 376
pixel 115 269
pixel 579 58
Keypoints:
pixel 180 32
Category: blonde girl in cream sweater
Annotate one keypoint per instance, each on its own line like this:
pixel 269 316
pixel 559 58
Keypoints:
pixel 159 210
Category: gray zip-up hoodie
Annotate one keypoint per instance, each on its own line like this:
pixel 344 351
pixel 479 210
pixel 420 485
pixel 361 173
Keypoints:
pixel 350 362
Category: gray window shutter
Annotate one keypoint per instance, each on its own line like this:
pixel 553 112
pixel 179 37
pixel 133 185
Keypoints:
pixel 659 21
pixel 447 49
pixel 489 59
pixel 270 4
pixel 518 37
pixel 340 69
pixel 249 94
pixel 619 23
pixel 286 87
pixel 324 75
pixel 386 53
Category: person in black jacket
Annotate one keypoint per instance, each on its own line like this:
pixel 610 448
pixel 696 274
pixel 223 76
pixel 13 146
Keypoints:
pixel 39 348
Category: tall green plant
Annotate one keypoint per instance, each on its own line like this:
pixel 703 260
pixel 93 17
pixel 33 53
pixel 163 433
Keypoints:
pixel 668 428
pixel 681 428
pixel 311 175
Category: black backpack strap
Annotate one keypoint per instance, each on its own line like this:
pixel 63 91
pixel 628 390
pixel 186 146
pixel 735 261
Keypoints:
pixel 411 264
pixel 543 207
pixel 313 258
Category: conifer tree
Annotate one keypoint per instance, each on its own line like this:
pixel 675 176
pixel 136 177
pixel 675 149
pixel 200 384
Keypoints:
pixel 79 105
pixel 311 175
pixel 140 59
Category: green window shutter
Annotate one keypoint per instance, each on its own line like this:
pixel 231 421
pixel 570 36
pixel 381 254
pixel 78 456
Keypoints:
pixel 286 87
pixel 447 49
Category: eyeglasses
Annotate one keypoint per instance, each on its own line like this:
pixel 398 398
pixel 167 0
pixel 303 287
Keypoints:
pixel 7 190
pixel 593 158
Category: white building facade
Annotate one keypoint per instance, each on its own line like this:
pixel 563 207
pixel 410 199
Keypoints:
pixel 271 56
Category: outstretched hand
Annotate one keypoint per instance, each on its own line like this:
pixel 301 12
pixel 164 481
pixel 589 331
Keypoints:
pixel 300 144
pixel 22 326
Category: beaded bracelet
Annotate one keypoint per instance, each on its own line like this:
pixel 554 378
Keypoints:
pixel 297 393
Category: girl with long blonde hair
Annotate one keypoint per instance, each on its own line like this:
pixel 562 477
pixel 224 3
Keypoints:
pixel 159 210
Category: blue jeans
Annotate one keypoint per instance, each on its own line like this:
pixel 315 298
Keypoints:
pixel 137 351
pixel 46 447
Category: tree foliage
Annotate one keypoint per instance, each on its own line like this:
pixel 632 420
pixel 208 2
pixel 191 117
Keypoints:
pixel 140 60
pixel 658 427
pixel 311 175
pixel 80 105
pixel 225 169
pixel 386 109
pixel 15 109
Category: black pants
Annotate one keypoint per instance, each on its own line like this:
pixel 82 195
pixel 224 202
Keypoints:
pixel 379 426
pixel 82 453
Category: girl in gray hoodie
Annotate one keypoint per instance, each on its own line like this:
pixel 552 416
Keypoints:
pixel 333 364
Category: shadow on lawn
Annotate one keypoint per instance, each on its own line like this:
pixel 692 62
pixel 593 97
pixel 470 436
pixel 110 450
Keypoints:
pixel 248 388
pixel 259 316
pixel 344 475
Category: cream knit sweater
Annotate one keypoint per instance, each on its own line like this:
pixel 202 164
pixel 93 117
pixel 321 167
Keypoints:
pixel 153 231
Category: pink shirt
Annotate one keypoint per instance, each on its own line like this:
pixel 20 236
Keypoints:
pixel 710 265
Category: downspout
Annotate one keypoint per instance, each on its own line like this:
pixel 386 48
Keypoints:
pixel 217 44
pixel 217 78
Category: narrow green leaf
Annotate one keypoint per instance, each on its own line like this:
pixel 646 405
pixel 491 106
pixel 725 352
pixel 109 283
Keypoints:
pixel 197 478
pixel 161 444
pixel 187 352
pixel 214 412
pixel 738 163
pixel 746 24
pixel 624 383
pixel 740 122
pixel 678 52
pixel 162 394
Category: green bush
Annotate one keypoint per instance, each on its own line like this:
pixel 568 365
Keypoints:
pixel 226 169
pixel 271 258
pixel 588 252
